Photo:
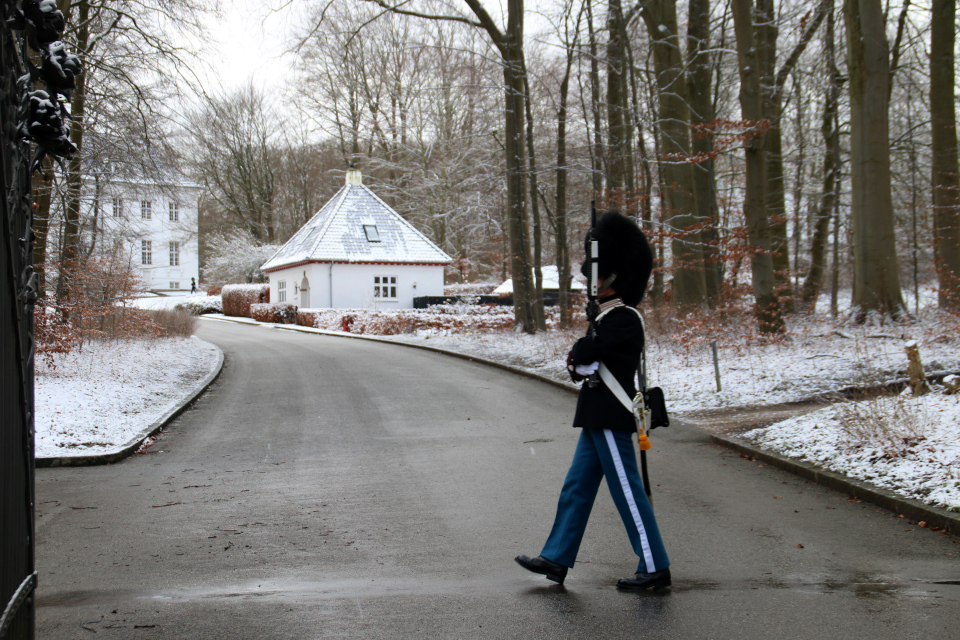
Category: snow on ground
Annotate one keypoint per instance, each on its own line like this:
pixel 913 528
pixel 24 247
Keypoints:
pixel 816 360
pixel 98 398
pixel 908 445
pixel 154 303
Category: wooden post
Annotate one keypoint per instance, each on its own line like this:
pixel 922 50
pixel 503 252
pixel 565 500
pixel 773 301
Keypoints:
pixel 918 381
pixel 716 363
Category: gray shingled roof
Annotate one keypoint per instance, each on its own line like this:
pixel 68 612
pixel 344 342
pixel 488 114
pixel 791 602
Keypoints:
pixel 336 234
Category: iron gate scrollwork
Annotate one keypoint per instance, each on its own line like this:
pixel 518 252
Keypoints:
pixel 31 116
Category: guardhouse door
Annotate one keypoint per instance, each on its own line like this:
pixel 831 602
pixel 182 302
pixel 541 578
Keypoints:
pixel 305 293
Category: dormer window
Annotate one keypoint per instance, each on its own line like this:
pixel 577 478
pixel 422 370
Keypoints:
pixel 372 234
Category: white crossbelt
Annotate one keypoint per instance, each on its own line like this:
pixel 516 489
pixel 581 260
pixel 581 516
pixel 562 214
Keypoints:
pixel 635 406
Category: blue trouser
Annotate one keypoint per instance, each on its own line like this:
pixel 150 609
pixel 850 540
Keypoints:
pixel 611 454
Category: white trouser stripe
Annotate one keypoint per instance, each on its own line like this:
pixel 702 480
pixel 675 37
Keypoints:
pixel 628 494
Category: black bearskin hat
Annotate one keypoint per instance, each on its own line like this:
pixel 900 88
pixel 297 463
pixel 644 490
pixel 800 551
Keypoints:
pixel 624 254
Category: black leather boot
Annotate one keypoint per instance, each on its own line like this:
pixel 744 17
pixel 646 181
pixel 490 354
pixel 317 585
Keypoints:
pixel 641 581
pixel 553 571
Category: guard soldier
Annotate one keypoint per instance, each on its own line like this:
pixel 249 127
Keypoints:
pixel 606 445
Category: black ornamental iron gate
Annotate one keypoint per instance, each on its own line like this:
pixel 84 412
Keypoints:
pixel 32 118
pixel 17 575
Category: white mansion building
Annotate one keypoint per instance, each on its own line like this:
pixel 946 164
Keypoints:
pixel 152 225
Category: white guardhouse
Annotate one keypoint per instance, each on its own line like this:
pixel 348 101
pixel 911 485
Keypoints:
pixel 356 253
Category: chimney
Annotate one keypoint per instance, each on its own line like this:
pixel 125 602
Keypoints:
pixel 353 176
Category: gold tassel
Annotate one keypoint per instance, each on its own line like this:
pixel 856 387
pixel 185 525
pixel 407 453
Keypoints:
pixel 644 442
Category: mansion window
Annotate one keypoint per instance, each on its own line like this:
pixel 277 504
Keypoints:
pixel 146 252
pixel 174 212
pixel 117 207
pixel 385 287
pixel 282 291
pixel 174 254
pixel 174 285
pixel 146 210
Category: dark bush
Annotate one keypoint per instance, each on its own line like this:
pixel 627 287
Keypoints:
pixel 175 322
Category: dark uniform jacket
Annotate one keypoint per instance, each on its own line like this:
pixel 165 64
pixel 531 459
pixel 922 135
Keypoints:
pixel 618 343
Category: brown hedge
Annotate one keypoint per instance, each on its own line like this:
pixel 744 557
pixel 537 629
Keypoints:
pixel 237 298
pixel 277 312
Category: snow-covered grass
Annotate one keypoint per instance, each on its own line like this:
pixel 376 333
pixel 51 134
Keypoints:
pixel 817 358
pixel 152 303
pixel 96 399
pixel 905 444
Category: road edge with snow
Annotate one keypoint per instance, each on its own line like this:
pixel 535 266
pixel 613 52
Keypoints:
pixel 133 444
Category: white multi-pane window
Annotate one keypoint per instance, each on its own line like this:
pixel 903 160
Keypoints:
pixel 174 254
pixel 385 287
pixel 174 212
pixel 146 210
pixel 282 291
pixel 117 207
pixel 146 252
pixel 174 285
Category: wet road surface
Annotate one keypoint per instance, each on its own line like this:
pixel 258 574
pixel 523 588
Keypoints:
pixel 334 488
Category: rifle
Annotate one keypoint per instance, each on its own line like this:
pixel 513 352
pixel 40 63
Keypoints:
pixel 593 257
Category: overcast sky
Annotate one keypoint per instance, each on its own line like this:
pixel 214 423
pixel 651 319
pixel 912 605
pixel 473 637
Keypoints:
pixel 249 42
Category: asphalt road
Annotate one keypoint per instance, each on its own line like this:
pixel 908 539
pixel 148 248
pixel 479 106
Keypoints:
pixel 328 488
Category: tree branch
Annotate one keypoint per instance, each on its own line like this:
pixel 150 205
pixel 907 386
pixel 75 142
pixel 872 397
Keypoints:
pixel 798 50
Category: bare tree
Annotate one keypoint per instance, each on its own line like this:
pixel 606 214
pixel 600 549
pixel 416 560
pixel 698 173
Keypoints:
pixel 828 202
pixel 235 137
pixel 946 166
pixel 754 206
pixel 129 60
pixel 876 285
pixel 689 282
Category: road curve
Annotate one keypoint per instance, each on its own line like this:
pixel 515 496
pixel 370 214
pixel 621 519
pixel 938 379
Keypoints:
pixel 333 488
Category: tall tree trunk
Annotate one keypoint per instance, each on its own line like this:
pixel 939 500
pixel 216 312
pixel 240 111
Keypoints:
pixel 945 167
pixel 831 167
pixel 538 302
pixel 768 312
pixel 646 178
pixel 773 83
pixel 596 150
pixel 799 177
pixel 701 113
pixel 620 164
pixel 70 254
pixel 514 136
pixel 876 280
pixel 562 239
pixel 766 33
pixel 43 198
pixel 689 280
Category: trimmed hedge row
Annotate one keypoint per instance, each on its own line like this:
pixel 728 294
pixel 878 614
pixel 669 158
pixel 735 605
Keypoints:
pixel 199 305
pixel 237 298
pixel 387 323
pixel 276 312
